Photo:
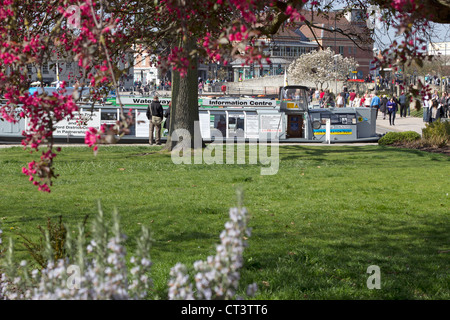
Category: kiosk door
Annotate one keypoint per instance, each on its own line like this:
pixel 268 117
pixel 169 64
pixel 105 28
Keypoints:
pixel 295 126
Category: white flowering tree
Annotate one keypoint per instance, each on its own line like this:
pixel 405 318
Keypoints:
pixel 320 67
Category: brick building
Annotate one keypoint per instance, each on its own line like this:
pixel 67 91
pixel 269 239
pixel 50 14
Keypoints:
pixel 292 41
pixel 355 41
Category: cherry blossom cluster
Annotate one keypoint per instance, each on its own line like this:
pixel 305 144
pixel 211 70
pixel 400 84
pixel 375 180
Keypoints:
pixel 33 33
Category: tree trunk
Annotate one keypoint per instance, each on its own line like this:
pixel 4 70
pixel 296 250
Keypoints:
pixel 184 109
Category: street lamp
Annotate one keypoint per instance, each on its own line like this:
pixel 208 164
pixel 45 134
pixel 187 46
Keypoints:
pixel 335 70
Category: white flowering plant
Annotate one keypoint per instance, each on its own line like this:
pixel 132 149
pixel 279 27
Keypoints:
pixel 97 270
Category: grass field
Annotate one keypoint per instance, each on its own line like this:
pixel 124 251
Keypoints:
pixel 327 215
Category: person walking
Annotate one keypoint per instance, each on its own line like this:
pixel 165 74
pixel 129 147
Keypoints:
pixel 351 98
pixel 391 106
pixel 367 100
pixel 155 115
pixel 426 105
pixel 356 103
pixel 321 95
pixel 383 102
pixel 402 102
pixel 434 111
pixel 340 101
pixel 328 100
pixel 362 100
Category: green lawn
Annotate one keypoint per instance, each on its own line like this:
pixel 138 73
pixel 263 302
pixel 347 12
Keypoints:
pixel 327 215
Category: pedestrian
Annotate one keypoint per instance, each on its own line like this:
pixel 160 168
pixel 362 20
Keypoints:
pixel 351 98
pixel 361 102
pixel 435 95
pixel 402 102
pixel 434 111
pixel 367 100
pixel 426 105
pixel 383 103
pixel 340 101
pixel 328 100
pixel 391 106
pixel 321 95
pixel 375 103
pixel 155 115
pixel 356 103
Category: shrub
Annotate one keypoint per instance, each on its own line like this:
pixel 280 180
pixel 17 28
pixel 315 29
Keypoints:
pixel 56 233
pixel 437 133
pixel 398 137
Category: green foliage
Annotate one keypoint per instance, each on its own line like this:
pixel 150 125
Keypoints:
pixel 437 133
pixel 52 244
pixel 398 137
pixel 329 213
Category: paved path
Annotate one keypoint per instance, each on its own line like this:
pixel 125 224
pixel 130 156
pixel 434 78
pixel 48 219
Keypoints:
pixel 401 124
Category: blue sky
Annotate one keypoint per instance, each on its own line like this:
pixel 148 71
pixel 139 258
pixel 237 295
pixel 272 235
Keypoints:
pixel 384 38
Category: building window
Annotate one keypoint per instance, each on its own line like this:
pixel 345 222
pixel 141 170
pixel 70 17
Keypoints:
pixel 45 68
pixel 341 50
pixel 349 50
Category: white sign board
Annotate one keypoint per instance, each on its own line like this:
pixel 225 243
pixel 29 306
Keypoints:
pixel 141 101
pixel 270 122
pixel 142 124
pixel 251 126
pixel 205 127
pixel 78 126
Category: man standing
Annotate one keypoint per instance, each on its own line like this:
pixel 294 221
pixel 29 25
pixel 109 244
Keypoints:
pixel 155 115
pixel 321 95
pixel 402 102
pixel 352 97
